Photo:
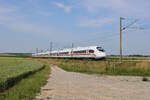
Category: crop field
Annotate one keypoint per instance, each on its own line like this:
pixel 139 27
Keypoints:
pixel 110 66
pixel 14 71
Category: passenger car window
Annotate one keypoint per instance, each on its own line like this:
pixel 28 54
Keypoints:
pixel 91 51
pixel 82 51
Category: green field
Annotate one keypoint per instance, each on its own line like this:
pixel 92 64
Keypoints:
pixel 21 78
pixel 110 66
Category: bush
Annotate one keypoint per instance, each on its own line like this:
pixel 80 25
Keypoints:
pixel 145 79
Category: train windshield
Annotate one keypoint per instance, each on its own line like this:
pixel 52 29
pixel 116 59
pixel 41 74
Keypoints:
pixel 100 49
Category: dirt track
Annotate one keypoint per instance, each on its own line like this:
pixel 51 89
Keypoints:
pixel 64 85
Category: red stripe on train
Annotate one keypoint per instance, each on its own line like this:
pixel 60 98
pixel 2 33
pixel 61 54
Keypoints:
pixel 75 54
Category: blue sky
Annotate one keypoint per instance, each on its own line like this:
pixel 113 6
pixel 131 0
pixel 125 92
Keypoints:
pixel 28 24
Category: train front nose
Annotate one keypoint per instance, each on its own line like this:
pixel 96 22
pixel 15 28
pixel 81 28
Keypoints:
pixel 101 55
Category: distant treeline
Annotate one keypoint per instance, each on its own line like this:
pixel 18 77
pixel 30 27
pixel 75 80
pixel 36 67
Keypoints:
pixel 15 54
pixel 135 55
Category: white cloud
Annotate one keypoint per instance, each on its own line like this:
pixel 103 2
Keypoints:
pixel 63 6
pixel 93 23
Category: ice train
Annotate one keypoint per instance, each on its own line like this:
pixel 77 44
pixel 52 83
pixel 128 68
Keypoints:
pixel 95 52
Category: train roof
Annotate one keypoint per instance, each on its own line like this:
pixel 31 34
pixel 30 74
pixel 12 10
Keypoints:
pixel 89 47
pixel 77 48
pixel 70 49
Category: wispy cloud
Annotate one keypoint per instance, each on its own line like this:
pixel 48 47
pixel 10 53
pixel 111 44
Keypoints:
pixel 93 23
pixel 66 8
pixel 26 27
pixel 96 5
pixel 6 9
pixel 136 8
pixel 6 14
pixel 12 20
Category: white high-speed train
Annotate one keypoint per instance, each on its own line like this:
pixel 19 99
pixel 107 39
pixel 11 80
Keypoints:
pixel 95 52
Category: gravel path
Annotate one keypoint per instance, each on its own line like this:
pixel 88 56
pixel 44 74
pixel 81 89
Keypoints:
pixel 64 85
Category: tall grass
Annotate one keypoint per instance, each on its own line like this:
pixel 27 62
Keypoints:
pixel 84 66
pixel 135 68
pixel 110 66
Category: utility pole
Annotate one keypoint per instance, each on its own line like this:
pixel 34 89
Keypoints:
pixel 121 38
pixel 37 50
pixel 121 29
pixel 51 47
pixel 72 45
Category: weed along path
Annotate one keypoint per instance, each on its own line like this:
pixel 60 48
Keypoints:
pixel 64 85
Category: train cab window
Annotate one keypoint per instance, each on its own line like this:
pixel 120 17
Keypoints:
pixel 91 51
pixel 100 49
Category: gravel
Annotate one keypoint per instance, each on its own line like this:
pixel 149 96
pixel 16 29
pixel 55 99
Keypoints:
pixel 64 85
